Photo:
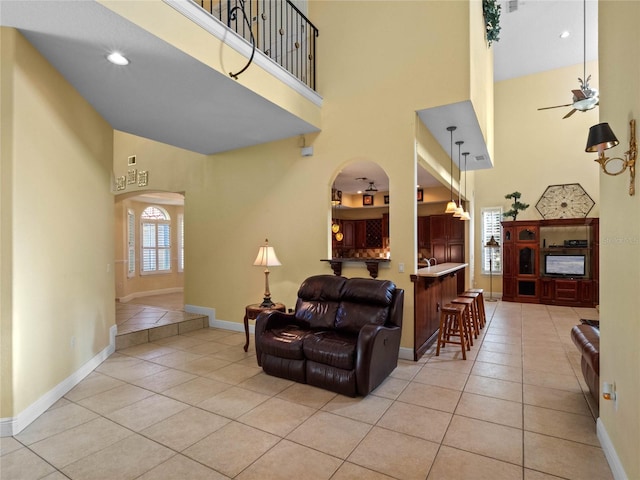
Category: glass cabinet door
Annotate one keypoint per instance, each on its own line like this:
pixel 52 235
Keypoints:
pixel 526 261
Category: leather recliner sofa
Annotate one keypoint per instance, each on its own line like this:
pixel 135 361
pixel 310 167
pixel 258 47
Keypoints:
pixel 587 339
pixel 343 336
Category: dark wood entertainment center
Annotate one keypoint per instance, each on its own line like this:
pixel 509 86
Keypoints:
pixel 526 244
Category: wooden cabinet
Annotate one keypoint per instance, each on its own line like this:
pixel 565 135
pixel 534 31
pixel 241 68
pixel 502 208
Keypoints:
pixel 424 236
pixel 361 234
pixel 447 242
pixel 526 246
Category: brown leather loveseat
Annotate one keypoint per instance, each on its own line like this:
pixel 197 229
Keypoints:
pixel 587 339
pixel 344 335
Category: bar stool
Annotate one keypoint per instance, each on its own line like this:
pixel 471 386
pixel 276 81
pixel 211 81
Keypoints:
pixel 483 315
pixel 475 307
pixel 452 322
pixel 471 321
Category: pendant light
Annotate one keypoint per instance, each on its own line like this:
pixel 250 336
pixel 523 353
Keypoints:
pixel 459 210
pixel 451 206
pixel 465 215
pixel 336 199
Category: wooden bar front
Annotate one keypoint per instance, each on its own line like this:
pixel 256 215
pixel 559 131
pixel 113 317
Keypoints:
pixel 432 288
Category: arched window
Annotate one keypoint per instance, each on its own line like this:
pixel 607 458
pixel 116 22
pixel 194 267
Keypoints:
pixel 156 241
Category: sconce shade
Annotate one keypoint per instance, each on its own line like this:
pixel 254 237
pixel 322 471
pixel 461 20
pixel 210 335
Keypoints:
pixel 266 257
pixel 600 138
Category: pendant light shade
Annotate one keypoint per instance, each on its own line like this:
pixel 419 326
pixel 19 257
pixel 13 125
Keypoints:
pixel 451 206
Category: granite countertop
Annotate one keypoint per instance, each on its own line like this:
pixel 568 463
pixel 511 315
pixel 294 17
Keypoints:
pixel 440 269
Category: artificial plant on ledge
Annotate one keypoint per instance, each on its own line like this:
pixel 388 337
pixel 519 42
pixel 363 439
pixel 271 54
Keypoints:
pixel 491 12
pixel 516 206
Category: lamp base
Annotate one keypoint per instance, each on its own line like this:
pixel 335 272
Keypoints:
pixel 267 303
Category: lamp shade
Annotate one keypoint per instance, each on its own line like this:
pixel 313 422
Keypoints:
pixel 601 137
pixel 492 243
pixel 266 257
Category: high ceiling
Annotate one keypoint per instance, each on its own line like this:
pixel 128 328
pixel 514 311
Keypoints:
pixel 207 112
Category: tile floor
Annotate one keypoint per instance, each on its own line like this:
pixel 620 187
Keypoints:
pixel 196 406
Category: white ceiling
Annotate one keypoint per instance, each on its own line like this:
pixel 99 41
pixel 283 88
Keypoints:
pixel 168 96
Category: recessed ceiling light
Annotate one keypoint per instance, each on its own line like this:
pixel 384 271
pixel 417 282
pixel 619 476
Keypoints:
pixel 118 59
pixel 565 34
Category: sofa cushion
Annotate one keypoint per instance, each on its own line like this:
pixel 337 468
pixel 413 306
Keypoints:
pixel 331 348
pixel 587 339
pixel 331 378
pixel 318 300
pixel 364 301
pixel 286 342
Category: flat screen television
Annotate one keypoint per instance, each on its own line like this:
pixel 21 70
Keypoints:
pixel 565 265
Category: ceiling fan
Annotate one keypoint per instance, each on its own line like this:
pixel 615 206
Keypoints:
pixel 586 97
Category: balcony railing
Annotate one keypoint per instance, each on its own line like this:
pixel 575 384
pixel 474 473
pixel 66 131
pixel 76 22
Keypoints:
pixel 280 31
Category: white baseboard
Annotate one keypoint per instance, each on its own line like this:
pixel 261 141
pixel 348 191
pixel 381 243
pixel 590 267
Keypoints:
pixel 13 425
pixel 406 353
pixel 209 312
pixel 149 293
pixel 612 457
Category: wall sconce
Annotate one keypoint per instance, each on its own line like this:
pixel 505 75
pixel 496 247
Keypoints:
pixel 601 138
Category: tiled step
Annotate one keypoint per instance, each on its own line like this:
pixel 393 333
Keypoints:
pixel 189 323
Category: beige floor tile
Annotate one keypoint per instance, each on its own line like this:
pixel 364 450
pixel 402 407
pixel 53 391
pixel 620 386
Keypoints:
pixel 55 421
pixel 135 455
pixel 181 467
pixel 235 339
pixel 289 460
pixel 430 396
pixel 159 382
pixel 390 388
pixel 176 358
pixel 395 454
pixel 493 387
pixel 368 409
pixel 564 458
pixel 331 434
pixel 129 368
pixel 185 428
pixel 204 366
pixel 92 384
pixel 485 438
pixel 417 421
pixel 234 402
pixel 490 409
pixel 494 370
pixel 208 348
pixel 71 445
pixel 501 347
pixel 146 351
pixel 180 342
pixel 351 471
pixel 308 395
pixel 226 450
pixel 454 464
pixel 197 390
pixel 114 399
pixel 234 354
pixel 533 475
pixel 455 365
pixel 277 416
pixel 234 373
pixel 500 358
pixel 23 464
pixel 441 378
pixel 54 476
pixel 267 384
pixel 8 445
pixel 571 402
pixel 405 370
pixel 552 380
pixel 569 426
pixel 146 412
pixel 506 339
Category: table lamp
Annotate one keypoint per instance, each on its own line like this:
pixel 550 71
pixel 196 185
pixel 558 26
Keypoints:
pixel 266 258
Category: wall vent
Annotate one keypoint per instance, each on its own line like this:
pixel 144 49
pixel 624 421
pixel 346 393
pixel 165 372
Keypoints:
pixel 480 158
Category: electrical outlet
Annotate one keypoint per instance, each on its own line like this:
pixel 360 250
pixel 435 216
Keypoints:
pixel 73 342
pixel 401 267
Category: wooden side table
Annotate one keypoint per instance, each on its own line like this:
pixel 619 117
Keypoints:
pixel 251 313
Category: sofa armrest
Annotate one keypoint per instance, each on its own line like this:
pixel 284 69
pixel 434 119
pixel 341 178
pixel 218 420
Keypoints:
pixel 587 339
pixel 273 319
pixel 377 355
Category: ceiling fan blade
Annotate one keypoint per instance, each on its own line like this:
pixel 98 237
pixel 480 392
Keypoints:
pixel 570 113
pixel 557 106
pixel 579 94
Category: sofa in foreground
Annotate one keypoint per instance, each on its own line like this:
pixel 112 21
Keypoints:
pixel 343 336
pixel 587 338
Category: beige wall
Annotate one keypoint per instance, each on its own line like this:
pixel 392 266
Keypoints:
pixel 619 49
pixel 57 228
pixel 535 149
pixel 139 285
